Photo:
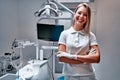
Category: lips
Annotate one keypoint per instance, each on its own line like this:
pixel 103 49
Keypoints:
pixel 81 20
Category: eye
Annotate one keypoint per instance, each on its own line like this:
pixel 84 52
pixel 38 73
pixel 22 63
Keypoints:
pixel 82 13
pixel 85 15
pixel 79 12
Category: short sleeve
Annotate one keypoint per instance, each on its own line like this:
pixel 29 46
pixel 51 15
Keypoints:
pixel 93 40
pixel 62 38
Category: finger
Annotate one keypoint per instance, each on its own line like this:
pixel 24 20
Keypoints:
pixel 59 52
pixel 59 55
pixel 92 50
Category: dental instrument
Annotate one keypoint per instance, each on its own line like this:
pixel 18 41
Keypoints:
pixel 18 62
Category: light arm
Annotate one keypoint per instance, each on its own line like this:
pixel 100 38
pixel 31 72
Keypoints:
pixel 62 48
pixel 91 57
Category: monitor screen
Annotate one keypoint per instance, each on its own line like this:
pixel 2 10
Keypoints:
pixel 49 32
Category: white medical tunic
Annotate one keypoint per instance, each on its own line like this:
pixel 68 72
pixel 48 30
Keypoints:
pixel 77 42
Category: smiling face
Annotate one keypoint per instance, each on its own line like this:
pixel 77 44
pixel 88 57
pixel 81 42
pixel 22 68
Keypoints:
pixel 80 16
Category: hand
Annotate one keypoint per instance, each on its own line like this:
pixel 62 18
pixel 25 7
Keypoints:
pixel 67 55
pixel 92 51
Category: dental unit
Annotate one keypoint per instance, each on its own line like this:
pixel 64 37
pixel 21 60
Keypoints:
pixel 37 69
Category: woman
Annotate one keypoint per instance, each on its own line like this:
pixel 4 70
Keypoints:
pixel 78 47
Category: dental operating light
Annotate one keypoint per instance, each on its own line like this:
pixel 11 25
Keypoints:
pixel 49 9
pixel 74 1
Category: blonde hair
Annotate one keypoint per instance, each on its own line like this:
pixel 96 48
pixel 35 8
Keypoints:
pixel 87 24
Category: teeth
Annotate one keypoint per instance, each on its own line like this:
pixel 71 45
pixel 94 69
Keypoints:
pixel 80 20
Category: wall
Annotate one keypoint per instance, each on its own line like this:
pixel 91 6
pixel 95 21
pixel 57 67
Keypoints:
pixel 108 26
pixel 27 20
pixel 8 24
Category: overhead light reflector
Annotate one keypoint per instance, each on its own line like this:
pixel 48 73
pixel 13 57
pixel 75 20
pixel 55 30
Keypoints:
pixel 74 1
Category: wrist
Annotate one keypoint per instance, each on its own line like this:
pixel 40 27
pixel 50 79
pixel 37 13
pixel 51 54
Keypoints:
pixel 75 57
